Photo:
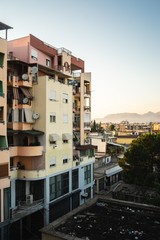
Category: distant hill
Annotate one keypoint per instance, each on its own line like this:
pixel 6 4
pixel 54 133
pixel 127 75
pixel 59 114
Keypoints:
pixel 131 117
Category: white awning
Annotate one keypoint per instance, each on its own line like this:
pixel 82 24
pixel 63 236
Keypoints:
pixel 66 136
pixel 112 171
pixel 54 137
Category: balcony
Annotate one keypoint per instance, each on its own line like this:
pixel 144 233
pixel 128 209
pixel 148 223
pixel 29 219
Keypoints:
pixel 25 209
pixel 77 64
pixel 20 126
pixel 87 108
pixel 16 173
pixel 87 126
pixel 26 151
pixel 87 94
pixel 17 81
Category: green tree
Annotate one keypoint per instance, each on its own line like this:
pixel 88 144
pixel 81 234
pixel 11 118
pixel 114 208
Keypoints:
pixel 140 160
pixel 112 127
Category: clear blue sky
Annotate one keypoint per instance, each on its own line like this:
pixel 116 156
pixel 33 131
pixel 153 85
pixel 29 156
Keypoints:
pixel 118 39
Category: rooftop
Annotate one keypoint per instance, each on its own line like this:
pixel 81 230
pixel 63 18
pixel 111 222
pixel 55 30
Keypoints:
pixel 108 219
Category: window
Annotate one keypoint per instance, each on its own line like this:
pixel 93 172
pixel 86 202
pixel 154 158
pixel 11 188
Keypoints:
pixel 52 95
pixel 4 170
pixel 87 117
pixel 6 199
pixel 53 161
pixel 48 62
pixel 52 117
pixel 65 98
pixel 1 114
pixel 1 59
pixel 65 159
pixel 87 174
pixel 3 142
pixel 66 137
pixel 65 118
pixel 34 54
pixel 74 179
pixel 1 88
pixel 59 185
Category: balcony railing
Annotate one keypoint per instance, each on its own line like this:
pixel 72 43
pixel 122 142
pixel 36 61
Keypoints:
pixel 27 174
pixel 26 151
pixel 23 209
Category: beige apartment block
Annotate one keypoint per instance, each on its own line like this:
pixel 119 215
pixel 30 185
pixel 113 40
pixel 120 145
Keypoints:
pixel 48 122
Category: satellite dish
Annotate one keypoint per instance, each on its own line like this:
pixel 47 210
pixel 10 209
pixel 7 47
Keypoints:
pixel 25 100
pixel 35 116
pixel 34 70
pixel 25 76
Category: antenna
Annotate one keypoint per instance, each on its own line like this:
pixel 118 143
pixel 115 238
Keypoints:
pixel 25 76
pixel 35 116
pixel 25 100
pixel 34 70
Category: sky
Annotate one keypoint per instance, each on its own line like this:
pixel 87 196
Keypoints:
pixel 119 40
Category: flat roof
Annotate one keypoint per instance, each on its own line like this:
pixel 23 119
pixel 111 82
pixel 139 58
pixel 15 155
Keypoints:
pixel 4 26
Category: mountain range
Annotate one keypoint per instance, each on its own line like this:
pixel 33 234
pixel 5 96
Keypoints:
pixel 131 117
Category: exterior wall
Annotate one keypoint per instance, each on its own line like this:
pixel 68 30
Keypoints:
pixel 124 140
pixel 19 48
pixel 4 153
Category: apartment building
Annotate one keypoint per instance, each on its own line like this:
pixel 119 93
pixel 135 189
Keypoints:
pixel 4 151
pixel 50 175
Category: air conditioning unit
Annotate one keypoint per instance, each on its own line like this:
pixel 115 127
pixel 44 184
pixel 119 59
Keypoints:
pixel 81 159
pixel 29 199
pixel 77 163
pixel 84 195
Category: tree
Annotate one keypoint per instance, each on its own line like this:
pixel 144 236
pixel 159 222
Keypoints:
pixel 141 162
pixel 112 127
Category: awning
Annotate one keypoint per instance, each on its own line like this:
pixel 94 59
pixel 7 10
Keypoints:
pixel 54 137
pixel 114 170
pixel 85 147
pixel 26 92
pixel 66 136
pixel 15 93
pixel 28 115
pixel 28 132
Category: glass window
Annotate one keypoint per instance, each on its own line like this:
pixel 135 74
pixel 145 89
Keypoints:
pixel 65 118
pixel 53 95
pixel 6 203
pixel 75 181
pixel 1 59
pixel 87 174
pixel 34 54
pixel 48 62
pixel 52 117
pixel 65 159
pixel 59 185
pixel 65 98
pixel 1 88
pixel 53 161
